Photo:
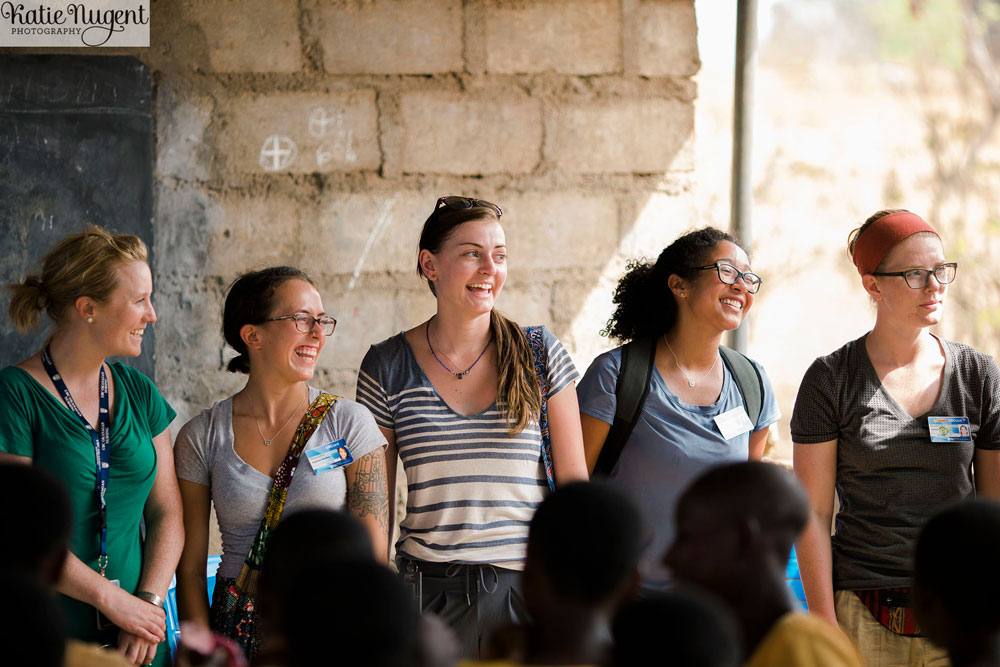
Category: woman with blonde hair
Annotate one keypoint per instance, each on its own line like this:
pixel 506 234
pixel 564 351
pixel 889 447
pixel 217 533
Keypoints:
pixel 460 398
pixel 897 423
pixel 102 429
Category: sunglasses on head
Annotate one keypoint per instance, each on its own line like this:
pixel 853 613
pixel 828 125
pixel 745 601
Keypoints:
pixel 459 203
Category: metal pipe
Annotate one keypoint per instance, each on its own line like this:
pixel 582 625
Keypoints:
pixel 741 192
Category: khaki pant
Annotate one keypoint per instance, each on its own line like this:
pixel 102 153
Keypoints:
pixel 881 647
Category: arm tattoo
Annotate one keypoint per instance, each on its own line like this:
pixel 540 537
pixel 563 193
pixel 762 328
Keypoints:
pixel 368 494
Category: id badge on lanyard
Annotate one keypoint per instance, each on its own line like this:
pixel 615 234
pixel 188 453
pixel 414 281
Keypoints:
pixel 101 439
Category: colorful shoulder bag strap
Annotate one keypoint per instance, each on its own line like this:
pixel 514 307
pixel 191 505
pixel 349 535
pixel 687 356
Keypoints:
pixel 247 580
pixel 540 355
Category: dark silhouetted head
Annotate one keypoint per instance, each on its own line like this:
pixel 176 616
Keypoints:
pixel 42 526
pixel 313 533
pixel 348 613
pixel 584 545
pixel 32 630
pixel 956 580
pixel 698 631
pixel 736 524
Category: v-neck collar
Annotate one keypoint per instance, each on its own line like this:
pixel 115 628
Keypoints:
pixel 946 374
pixel 116 412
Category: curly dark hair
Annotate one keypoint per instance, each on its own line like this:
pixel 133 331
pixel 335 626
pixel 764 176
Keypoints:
pixel 645 305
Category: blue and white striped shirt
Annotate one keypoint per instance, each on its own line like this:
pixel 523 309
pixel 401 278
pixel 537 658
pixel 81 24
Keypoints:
pixel 472 487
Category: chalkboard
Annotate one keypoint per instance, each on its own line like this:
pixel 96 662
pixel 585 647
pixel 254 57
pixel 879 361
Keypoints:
pixel 76 147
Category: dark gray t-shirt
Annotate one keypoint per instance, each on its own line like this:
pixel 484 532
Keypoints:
pixel 890 477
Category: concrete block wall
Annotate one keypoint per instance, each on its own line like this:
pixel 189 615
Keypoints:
pixel 320 133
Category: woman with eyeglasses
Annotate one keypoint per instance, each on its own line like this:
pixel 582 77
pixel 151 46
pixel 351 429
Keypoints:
pixel 459 397
pixel 672 314
pixel 239 453
pixel 898 423
pixel 102 429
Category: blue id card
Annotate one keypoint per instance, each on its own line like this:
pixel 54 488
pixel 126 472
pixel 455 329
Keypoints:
pixel 331 455
pixel 949 429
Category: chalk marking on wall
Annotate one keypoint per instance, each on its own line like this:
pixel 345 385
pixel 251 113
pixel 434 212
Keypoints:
pixel 343 143
pixel 323 155
pixel 350 154
pixel 321 121
pixel 278 152
pixel 380 224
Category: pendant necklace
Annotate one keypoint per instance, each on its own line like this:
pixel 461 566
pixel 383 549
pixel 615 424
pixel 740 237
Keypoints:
pixel 691 382
pixel 267 441
pixel 458 374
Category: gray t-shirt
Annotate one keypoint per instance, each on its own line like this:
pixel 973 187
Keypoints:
pixel 672 444
pixel 890 477
pixel 204 454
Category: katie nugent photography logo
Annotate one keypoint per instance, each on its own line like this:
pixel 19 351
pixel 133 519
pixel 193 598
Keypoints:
pixel 65 23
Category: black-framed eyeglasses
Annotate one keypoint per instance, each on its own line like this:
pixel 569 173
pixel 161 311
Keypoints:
pixel 729 274
pixel 918 278
pixel 307 323
pixel 459 203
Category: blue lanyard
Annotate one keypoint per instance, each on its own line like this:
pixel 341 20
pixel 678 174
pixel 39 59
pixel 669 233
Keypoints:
pixel 101 441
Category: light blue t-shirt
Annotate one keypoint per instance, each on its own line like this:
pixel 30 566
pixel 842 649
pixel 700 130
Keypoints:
pixel 672 444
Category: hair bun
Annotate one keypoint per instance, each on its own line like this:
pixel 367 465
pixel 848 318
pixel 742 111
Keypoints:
pixel 239 364
pixel 42 299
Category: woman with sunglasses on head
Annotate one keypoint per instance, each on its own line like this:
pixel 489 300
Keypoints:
pixel 102 429
pixel 673 314
pixel 459 398
pixel 242 453
pixel 880 421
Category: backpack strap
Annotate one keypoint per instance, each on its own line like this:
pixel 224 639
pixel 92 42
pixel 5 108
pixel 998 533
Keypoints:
pixel 748 381
pixel 630 394
pixel 633 387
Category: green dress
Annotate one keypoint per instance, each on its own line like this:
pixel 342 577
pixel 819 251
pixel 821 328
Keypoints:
pixel 35 423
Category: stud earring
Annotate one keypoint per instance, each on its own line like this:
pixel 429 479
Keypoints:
pixel 90 320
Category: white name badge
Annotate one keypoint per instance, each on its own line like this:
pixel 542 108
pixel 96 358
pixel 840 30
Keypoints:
pixel 733 423
pixel 331 455
pixel 949 429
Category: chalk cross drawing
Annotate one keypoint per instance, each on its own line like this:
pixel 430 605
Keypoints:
pixel 277 153
pixel 321 121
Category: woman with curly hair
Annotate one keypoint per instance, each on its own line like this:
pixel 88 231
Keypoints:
pixel 694 413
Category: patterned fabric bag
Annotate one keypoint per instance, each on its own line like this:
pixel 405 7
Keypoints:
pixel 540 355
pixel 233 610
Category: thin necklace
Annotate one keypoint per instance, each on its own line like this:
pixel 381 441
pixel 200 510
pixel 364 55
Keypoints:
pixel 691 382
pixel 458 374
pixel 267 441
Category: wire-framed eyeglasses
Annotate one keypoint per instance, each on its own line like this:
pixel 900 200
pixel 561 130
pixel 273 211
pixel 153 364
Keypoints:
pixel 307 323
pixel 918 278
pixel 729 274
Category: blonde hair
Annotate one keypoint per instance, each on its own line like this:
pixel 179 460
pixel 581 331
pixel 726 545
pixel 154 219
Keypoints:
pixel 81 264
pixel 517 387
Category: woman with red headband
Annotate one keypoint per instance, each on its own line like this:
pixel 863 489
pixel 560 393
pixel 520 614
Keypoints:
pixel 896 422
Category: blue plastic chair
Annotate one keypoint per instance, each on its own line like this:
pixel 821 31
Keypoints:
pixel 794 580
pixel 170 605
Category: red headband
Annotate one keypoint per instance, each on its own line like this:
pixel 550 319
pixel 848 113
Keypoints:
pixel 874 243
